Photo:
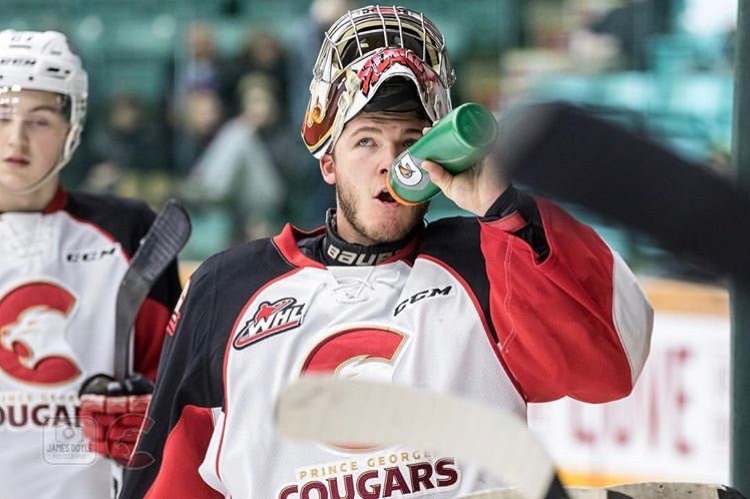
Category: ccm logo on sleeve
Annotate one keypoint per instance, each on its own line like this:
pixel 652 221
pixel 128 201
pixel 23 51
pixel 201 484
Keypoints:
pixel 421 295
pixel 91 255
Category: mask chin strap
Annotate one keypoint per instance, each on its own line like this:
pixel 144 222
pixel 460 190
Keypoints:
pixel 71 142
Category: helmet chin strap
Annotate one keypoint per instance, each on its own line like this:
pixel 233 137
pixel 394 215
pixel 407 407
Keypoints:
pixel 39 183
pixel 67 152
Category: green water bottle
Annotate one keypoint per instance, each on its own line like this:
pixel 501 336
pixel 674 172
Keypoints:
pixel 459 140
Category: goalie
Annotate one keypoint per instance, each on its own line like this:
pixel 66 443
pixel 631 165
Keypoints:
pixel 519 303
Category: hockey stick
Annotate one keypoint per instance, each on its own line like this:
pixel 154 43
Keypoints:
pixel 334 410
pixel 162 243
pixel 640 490
pixel 567 153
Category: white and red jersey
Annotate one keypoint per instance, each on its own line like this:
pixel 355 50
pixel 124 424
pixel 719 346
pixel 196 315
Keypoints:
pixel 466 307
pixel 59 274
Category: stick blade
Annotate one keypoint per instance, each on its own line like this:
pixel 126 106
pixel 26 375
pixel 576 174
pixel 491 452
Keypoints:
pixel 332 410
pixel 165 238
pixel 162 243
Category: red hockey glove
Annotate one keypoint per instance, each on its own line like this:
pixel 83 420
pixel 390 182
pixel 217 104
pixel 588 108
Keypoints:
pixel 112 413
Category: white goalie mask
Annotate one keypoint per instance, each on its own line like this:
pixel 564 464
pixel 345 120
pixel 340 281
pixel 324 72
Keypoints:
pixel 36 60
pixel 362 50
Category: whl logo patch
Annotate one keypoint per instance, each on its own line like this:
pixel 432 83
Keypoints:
pixel 269 319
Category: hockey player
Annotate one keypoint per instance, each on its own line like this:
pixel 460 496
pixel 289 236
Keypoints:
pixel 62 256
pixel 520 303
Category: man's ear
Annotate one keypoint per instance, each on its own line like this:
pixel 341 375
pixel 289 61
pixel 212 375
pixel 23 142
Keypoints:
pixel 328 169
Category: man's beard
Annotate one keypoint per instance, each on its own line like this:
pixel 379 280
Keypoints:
pixel 347 204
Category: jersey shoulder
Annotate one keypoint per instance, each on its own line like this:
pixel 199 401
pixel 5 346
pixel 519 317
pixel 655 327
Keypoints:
pixel 260 258
pixel 125 220
pixel 442 238
pixel 219 289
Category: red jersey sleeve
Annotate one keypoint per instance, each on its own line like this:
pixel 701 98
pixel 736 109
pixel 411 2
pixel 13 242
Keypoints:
pixel 576 323
pixel 151 322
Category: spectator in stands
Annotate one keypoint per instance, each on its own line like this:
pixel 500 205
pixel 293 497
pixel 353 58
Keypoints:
pixel 128 154
pixel 237 173
pixel 197 65
pixel 192 71
pixel 263 111
pixel 262 53
pixel 128 140
pixel 197 123
pixel 632 26
pixel 588 51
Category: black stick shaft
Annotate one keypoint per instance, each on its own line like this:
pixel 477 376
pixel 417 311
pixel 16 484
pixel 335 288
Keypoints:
pixel 160 246
pixel 566 153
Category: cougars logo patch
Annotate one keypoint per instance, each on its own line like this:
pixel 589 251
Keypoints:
pixel 269 319
pixel 33 327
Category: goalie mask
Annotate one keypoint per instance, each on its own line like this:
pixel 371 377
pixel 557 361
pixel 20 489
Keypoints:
pixel 35 60
pixel 394 52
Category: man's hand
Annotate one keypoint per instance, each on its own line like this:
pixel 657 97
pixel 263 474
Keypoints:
pixel 112 413
pixel 473 190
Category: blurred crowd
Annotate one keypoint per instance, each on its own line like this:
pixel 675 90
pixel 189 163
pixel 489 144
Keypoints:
pixel 224 137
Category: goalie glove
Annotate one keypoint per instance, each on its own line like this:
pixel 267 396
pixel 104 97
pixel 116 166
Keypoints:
pixel 112 413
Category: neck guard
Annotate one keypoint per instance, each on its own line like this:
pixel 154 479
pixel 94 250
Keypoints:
pixel 336 251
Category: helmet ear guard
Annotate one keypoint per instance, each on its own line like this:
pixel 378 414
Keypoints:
pixel 362 53
pixel 36 60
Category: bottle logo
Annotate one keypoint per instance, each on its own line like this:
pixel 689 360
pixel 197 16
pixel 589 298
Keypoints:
pixel 406 171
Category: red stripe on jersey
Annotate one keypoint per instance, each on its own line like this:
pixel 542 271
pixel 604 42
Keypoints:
pixel 58 201
pixel 286 242
pixel 557 336
pixel 183 453
pixel 150 325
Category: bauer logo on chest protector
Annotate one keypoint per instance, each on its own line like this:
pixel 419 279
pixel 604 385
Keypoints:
pixel 269 319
